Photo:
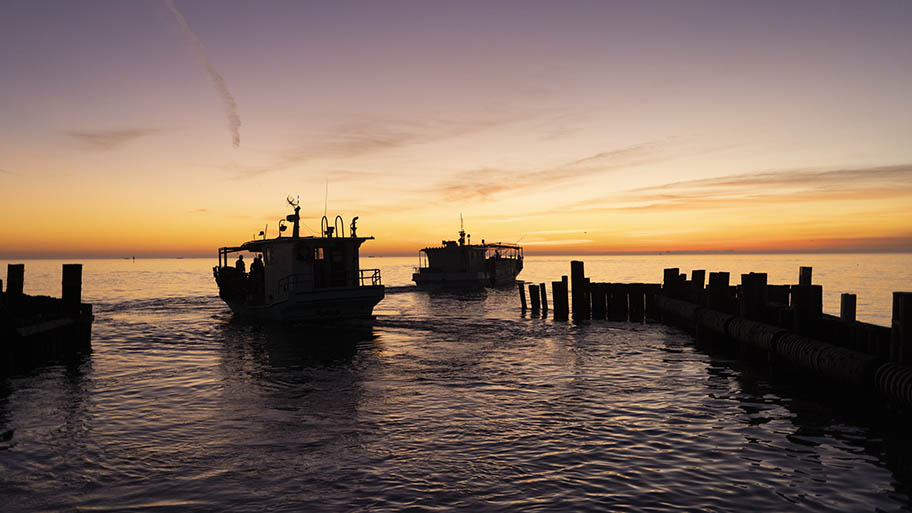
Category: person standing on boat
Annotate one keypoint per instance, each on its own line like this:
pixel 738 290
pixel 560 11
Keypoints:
pixel 240 265
pixel 258 277
pixel 257 266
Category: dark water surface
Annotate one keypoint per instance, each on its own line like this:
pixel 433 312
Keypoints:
pixel 445 402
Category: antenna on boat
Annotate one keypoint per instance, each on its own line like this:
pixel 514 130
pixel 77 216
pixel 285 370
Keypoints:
pixel 461 231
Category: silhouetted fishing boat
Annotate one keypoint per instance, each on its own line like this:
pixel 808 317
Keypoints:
pixel 459 264
pixel 301 279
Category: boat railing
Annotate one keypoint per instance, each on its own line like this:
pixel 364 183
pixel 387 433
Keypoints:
pixel 292 282
pixel 370 277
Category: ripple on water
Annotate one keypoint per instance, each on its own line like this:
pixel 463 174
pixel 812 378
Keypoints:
pixel 443 403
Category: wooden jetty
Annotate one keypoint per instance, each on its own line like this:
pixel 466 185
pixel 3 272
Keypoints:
pixel 33 328
pixel 781 324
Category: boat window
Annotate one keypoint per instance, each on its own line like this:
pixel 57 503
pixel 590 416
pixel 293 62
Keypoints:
pixel 318 253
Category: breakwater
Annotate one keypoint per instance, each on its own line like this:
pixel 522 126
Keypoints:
pixel 781 324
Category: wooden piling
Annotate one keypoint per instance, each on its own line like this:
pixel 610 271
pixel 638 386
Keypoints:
pixel 636 303
pixel 559 290
pixel 535 297
pixel 617 302
pixel 576 281
pixel 847 307
pixel 697 281
pixel 556 293
pixel 651 290
pixel 670 280
pixel 15 277
pixel 717 292
pixel 522 294
pixel 599 292
pixel 71 286
pixel 778 294
pixel 804 275
pixel 901 330
pixel 752 300
pixel 565 296
pixel 587 299
pixel 807 305
pixel 544 296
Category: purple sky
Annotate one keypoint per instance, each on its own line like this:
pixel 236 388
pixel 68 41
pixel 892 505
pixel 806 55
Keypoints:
pixel 438 105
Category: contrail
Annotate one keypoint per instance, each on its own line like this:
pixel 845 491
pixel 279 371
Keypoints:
pixel 234 119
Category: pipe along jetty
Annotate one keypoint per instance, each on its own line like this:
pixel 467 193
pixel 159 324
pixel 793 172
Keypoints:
pixel 781 324
pixel 37 328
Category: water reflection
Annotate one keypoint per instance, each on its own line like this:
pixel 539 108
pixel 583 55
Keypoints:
pixel 271 346
pixel 449 400
pixel 45 428
pixel 807 432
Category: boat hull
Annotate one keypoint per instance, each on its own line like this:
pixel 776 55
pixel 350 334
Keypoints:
pixel 317 306
pixel 434 280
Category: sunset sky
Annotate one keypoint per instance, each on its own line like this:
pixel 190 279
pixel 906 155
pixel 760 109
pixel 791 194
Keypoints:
pixel 154 128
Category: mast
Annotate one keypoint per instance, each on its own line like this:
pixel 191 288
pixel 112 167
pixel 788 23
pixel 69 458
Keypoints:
pixel 295 218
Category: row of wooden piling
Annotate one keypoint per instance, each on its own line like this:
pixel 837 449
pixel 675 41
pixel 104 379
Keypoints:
pixel 797 308
pixel 71 286
pixel 33 328
pixel 590 300
pixel 782 323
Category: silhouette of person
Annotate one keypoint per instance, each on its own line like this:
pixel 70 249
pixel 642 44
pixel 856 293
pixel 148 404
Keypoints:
pixel 257 267
pixel 257 276
pixel 239 265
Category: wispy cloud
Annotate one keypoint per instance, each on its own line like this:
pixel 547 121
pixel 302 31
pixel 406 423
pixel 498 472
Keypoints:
pixel 561 125
pixel 197 211
pixel 110 139
pixel 221 86
pixel 6 172
pixel 486 182
pixel 563 242
pixel 568 230
pixel 370 136
pixel 779 187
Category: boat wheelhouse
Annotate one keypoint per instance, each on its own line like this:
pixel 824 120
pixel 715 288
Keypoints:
pixel 301 279
pixel 457 264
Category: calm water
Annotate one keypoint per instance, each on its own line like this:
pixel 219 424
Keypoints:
pixel 445 402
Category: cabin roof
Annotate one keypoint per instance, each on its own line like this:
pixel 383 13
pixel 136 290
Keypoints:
pixel 489 245
pixel 259 245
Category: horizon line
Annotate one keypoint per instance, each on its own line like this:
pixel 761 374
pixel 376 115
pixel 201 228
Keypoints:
pixel 526 253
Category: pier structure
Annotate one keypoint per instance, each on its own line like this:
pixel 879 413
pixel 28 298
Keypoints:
pixel 34 328
pixel 781 324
